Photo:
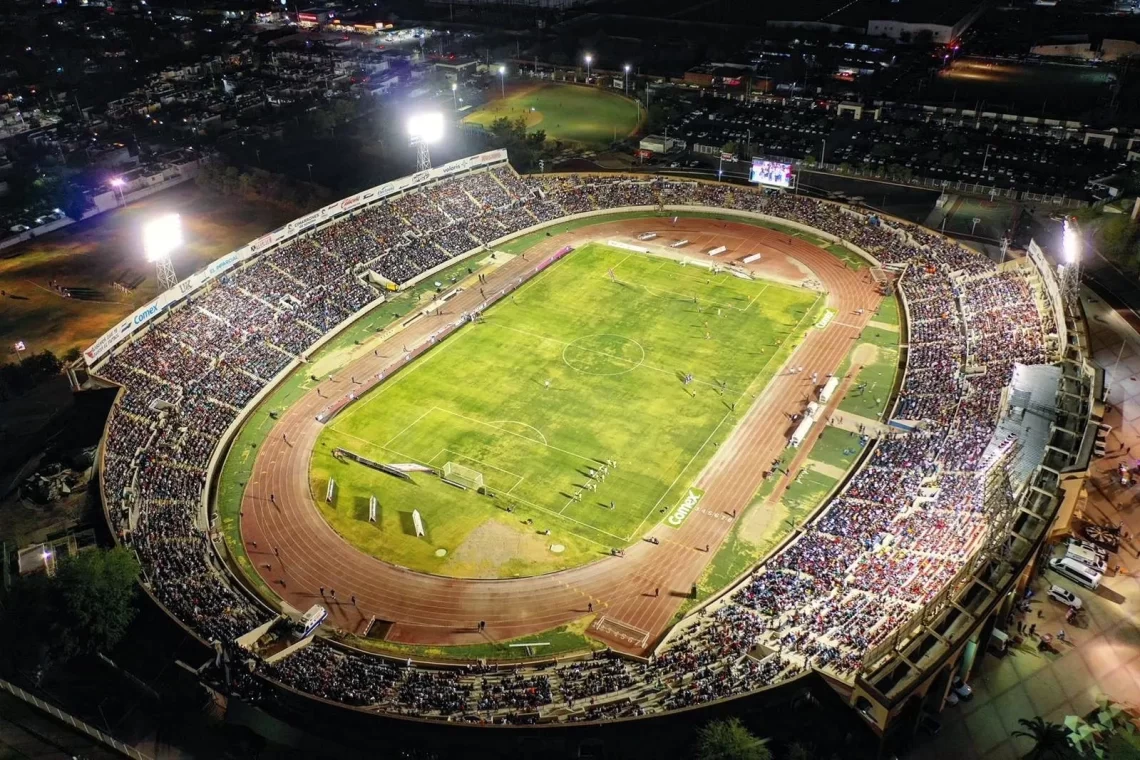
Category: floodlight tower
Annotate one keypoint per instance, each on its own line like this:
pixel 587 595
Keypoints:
pixel 425 129
pixel 503 81
pixel 1071 265
pixel 589 60
pixel 160 237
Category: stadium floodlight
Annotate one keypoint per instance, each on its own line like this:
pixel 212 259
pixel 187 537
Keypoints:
pixel 161 236
pixel 117 182
pixel 425 129
pixel 1071 268
pixel 1071 243
pixel 454 97
pixel 503 80
pixel 626 82
pixel 589 60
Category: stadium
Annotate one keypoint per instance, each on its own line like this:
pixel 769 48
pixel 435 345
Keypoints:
pixel 649 375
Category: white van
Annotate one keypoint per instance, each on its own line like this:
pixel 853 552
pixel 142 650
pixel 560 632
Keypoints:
pixel 1075 572
pixel 1089 545
pixel 1087 558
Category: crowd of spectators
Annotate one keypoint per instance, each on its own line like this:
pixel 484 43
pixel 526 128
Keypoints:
pixel 899 531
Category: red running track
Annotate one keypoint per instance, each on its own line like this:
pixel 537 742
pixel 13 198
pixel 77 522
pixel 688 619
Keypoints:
pixel 298 553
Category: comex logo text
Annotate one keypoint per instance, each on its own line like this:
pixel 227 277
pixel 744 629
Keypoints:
pixel 684 509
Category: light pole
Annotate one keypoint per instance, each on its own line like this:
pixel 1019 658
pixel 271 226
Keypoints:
pixel 160 237
pixel 822 151
pixel 626 82
pixel 454 96
pixel 589 60
pixel 986 158
pixel 310 172
pixel 425 129
pixel 117 183
pixel 503 80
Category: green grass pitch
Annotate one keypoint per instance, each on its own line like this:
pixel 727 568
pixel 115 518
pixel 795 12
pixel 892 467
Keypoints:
pixel 574 370
pixel 587 115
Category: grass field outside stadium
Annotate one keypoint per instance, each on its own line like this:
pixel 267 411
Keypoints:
pixel 590 116
pixel 575 370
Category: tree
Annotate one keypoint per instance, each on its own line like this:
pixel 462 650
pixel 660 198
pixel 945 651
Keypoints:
pixel 800 751
pixel 729 740
pixel 85 608
pixel 1050 742
pixel 321 122
pixel 71 199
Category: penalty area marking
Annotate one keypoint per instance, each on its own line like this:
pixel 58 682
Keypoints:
pixel 485 465
pixel 500 423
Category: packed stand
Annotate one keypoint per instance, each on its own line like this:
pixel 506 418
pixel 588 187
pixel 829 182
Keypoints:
pixel 892 539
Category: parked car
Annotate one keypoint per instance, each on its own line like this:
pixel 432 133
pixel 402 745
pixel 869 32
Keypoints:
pixel 1064 596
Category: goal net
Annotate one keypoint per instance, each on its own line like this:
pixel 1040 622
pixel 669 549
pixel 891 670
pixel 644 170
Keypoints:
pixel 461 476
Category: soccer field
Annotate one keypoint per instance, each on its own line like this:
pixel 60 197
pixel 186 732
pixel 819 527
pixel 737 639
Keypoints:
pixel 575 370
pixel 588 115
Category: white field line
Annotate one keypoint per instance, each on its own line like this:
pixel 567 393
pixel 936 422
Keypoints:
pixel 561 342
pixel 763 369
pixel 485 465
pixel 753 300
pixel 500 423
pixel 511 497
pixel 407 427
pixel 516 435
pixel 405 372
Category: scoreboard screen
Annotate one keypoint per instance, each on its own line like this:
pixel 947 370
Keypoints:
pixel 771 173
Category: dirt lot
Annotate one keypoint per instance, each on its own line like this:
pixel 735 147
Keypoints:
pixel 90 257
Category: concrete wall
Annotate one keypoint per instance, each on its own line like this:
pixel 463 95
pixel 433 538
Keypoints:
pixel 107 201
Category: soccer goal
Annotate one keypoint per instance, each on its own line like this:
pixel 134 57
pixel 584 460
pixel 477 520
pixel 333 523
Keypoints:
pixel 464 477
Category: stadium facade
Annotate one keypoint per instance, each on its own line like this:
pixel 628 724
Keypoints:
pixel 196 361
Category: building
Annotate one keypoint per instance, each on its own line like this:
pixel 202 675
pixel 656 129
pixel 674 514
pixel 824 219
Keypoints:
pixel 905 20
pixel 660 144
pixel 1108 50
pixel 313 17
pixel 941 23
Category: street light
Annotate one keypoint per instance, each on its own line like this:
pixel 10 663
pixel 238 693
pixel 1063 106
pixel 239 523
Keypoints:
pixel 161 236
pixel 425 129
pixel 822 151
pixel 503 80
pixel 626 79
pixel 117 183
pixel 589 60
pixel 454 97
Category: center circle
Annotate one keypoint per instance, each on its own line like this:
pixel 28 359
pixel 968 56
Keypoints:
pixel 603 354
